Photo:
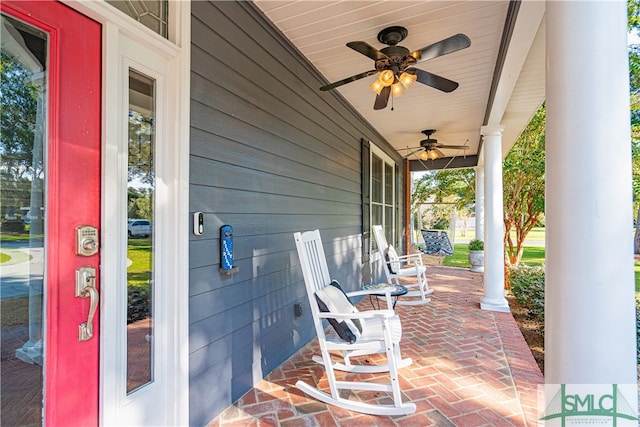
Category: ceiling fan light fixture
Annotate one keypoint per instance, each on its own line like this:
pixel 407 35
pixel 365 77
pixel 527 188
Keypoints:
pixel 428 155
pixel 408 79
pixel 387 77
pixel 396 90
pixel 377 86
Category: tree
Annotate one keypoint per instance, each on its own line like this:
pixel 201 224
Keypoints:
pixel 18 130
pixel 523 176
pixel 524 185
pixel 635 156
pixel 634 88
pixel 455 187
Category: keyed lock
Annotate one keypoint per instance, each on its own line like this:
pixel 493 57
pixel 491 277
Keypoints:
pixel 86 240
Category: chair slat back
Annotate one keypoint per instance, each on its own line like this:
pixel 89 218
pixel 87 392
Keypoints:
pixel 383 246
pixel 313 262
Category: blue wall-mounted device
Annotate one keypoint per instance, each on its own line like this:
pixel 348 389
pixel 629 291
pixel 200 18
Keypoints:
pixel 226 250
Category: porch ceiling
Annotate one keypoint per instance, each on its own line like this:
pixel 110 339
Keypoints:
pixel 501 75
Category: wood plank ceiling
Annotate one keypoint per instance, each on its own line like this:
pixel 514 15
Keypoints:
pixel 321 29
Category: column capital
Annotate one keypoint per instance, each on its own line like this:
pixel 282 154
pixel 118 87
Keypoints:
pixel 492 130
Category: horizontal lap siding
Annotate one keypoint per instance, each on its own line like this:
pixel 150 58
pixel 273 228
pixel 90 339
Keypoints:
pixel 270 155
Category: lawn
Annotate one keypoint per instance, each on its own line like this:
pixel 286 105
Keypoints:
pixel 139 252
pixel 533 255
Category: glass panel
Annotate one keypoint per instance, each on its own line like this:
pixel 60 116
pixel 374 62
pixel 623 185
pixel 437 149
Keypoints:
pixel 388 224
pixel 376 179
pixel 150 13
pixel 376 215
pixel 23 118
pixel 140 211
pixel 388 184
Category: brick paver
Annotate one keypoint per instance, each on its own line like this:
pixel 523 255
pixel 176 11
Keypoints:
pixel 470 368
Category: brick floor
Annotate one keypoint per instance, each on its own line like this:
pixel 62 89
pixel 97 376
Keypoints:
pixel 470 368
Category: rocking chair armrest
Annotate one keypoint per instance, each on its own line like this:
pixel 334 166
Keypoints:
pixel 357 315
pixel 386 291
pixel 417 258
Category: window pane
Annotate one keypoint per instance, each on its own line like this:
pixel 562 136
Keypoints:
pixel 23 143
pixel 140 212
pixel 376 215
pixel 388 224
pixel 376 179
pixel 388 184
pixel 150 13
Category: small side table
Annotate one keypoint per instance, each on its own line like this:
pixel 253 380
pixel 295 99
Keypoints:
pixel 397 292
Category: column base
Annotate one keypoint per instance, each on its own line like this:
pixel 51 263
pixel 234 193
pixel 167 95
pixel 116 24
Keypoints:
pixel 31 352
pixel 495 304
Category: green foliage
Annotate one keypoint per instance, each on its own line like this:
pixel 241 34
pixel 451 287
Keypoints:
pixel 476 245
pixel 524 185
pixel 139 303
pixel 633 8
pixel 457 186
pixel 633 14
pixel 638 325
pixel 443 190
pixel 527 286
pixel 20 96
pixel 140 203
pixel 141 147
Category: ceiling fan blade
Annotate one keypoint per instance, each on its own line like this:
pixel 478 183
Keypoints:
pixel 412 153
pixel 452 147
pixel 367 50
pixel 382 99
pixel 448 45
pixel 348 80
pixel 434 80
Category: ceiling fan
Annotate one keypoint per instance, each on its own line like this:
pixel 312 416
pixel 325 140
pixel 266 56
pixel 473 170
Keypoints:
pixel 429 148
pixel 395 64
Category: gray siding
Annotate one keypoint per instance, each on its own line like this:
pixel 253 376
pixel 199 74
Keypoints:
pixel 270 155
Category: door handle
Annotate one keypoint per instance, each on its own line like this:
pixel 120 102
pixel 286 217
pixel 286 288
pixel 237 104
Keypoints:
pixel 86 288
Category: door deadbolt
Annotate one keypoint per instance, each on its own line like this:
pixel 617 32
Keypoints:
pixel 86 240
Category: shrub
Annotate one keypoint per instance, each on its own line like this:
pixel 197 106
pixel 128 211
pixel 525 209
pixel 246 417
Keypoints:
pixel 476 245
pixel 527 286
pixel 139 303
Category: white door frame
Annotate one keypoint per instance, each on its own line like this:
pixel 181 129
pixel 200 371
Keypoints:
pixel 127 43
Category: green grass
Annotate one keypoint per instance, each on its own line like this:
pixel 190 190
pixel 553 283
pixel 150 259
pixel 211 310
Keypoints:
pixel 533 256
pixel 139 252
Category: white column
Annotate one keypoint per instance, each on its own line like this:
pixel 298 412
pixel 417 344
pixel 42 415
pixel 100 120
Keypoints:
pixel 590 330
pixel 480 202
pixel 493 298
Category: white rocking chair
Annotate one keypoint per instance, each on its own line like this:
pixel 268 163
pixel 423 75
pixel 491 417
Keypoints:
pixel 395 267
pixel 364 333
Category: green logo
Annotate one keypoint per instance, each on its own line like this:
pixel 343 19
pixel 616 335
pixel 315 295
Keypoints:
pixel 586 404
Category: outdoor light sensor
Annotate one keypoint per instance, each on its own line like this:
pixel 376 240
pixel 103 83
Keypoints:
pixel 198 223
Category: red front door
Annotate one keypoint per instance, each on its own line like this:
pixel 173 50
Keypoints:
pixel 50 149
